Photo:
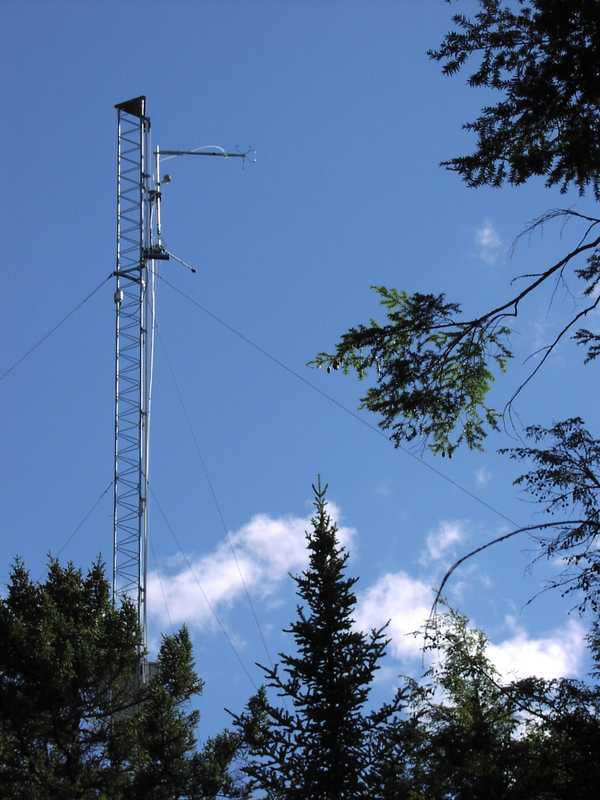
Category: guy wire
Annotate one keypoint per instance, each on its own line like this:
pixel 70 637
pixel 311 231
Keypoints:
pixel 216 502
pixel 336 403
pixel 204 595
pixel 52 330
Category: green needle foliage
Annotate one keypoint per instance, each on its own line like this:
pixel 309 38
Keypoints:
pixel 543 57
pixel 565 481
pixel 479 737
pixel 467 747
pixel 323 744
pixel 431 369
pixel 432 372
pixel 75 722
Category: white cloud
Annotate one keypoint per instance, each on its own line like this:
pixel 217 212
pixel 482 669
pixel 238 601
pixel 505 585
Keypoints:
pixel 405 602
pixel 438 543
pixel 470 578
pixel 402 600
pixel 482 476
pixel 267 548
pixel 264 551
pixel 488 243
pixel 557 655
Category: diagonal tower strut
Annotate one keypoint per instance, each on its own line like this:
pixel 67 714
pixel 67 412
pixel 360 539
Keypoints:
pixel 130 530
pixel 138 248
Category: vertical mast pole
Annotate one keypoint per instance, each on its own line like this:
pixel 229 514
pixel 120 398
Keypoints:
pixel 138 244
pixel 130 519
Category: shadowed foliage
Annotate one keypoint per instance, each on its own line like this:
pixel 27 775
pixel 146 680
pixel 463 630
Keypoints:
pixel 75 720
pixel 543 57
pixel 431 368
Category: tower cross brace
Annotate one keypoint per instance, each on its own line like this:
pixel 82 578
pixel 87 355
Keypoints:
pixel 131 434
pixel 139 247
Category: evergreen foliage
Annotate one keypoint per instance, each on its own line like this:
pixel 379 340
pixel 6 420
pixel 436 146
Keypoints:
pixel 461 733
pixel 432 368
pixel 479 738
pixel 543 56
pixel 432 371
pixel 468 724
pixel 323 744
pixel 75 722
pixel 565 479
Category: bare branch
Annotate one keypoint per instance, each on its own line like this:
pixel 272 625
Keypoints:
pixel 549 216
pixel 549 348
pixel 490 543
pixel 525 275
pixel 514 302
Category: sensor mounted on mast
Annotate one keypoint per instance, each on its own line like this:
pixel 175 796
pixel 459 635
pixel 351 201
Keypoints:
pixel 139 247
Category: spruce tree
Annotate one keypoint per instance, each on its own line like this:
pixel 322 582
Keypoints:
pixel 74 721
pixel 324 744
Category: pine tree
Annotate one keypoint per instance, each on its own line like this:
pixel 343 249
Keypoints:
pixel 166 762
pixel 327 746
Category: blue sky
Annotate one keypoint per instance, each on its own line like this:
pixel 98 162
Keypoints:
pixel 349 120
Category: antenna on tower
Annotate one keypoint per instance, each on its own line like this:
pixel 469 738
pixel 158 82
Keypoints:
pixel 139 248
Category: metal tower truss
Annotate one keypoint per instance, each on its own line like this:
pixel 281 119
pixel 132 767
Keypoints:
pixel 139 248
pixel 131 358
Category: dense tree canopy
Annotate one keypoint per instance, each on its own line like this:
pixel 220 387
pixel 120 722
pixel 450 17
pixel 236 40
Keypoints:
pixel 461 732
pixel 479 736
pixel 75 720
pixel 467 723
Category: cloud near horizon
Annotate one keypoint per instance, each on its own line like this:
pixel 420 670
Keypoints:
pixel 405 603
pixel 256 557
pixel 267 548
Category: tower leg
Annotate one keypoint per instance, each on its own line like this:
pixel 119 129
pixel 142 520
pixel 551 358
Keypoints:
pixel 131 359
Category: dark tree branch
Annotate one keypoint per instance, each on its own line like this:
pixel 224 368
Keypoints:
pixel 490 543
pixel 548 350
